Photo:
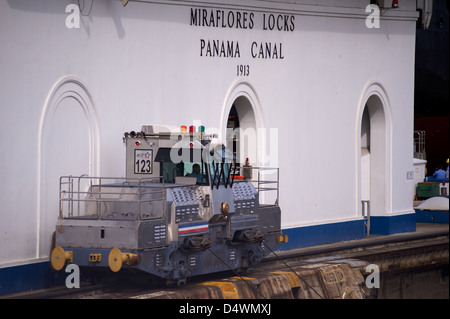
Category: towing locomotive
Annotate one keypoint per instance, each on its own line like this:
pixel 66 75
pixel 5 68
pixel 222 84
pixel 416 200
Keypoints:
pixel 180 211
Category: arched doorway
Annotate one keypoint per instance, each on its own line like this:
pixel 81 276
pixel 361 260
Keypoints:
pixel 374 152
pixel 241 131
pixel 68 145
pixel 373 158
pixel 365 156
pixel 241 119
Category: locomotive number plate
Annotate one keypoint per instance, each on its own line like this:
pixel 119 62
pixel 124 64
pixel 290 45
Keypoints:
pixel 143 160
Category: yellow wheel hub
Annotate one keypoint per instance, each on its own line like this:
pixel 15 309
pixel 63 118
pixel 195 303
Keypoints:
pixel 59 257
pixel 115 260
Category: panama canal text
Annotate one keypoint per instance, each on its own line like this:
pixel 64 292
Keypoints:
pixel 241 20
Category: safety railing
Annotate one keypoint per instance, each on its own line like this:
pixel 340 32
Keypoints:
pixel 84 197
pixel 419 145
pixel 267 181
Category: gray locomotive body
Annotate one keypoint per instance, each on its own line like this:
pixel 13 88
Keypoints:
pixel 179 212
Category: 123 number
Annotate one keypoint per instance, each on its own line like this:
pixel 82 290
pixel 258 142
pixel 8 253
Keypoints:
pixel 143 166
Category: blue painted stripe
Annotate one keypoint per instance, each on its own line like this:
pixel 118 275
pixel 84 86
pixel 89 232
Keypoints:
pixel 388 225
pixel 431 217
pixel 350 230
pixel 323 234
pixel 29 277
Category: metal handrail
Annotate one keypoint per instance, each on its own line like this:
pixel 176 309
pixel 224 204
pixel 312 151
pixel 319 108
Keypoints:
pixel 260 182
pixel 100 192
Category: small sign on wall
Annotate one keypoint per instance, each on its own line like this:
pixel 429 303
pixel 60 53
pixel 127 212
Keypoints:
pixel 410 175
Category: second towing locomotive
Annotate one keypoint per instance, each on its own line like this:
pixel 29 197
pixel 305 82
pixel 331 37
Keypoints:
pixel 181 210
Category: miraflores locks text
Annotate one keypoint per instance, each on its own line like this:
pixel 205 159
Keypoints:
pixel 229 19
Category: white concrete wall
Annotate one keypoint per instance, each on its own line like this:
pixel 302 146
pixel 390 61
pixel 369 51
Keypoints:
pixel 67 96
